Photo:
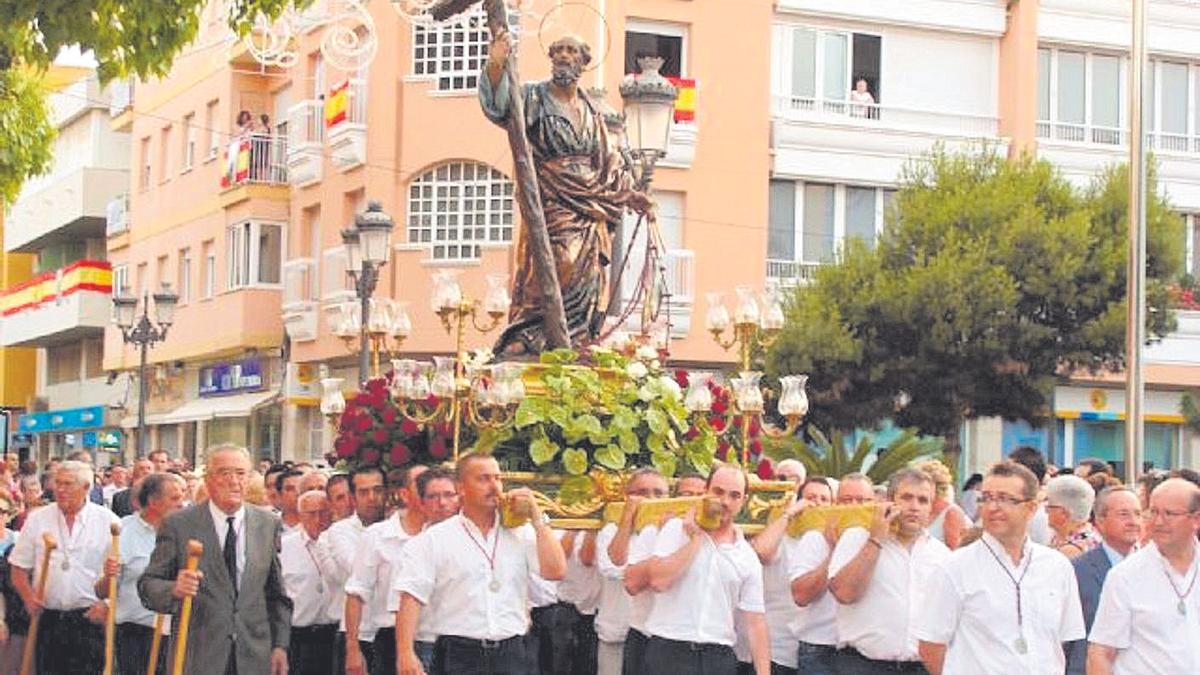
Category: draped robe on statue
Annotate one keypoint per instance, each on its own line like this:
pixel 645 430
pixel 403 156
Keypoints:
pixel 584 188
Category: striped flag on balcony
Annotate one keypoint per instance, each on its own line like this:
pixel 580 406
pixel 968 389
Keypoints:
pixel 685 99
pixel 84 275
pixel 335 104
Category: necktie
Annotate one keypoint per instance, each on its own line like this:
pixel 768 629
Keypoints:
pixel 231 553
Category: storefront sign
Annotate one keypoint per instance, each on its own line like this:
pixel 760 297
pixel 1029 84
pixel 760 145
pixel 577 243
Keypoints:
pixel 70 419
pixel 232 378
pixel 301 384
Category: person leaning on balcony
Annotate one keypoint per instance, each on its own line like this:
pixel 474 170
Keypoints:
pixel 861 100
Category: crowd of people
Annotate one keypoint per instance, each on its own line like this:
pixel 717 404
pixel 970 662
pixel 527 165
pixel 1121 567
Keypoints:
pixel 1031 570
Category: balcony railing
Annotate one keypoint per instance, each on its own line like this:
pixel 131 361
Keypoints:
pixel 117 215
pixel 680 267
pixel 306 124
pixel 121 97
pixel 299 286
pixel 255 159
pixel 791 272
pixel 875 115
pixel 1092 134
pixel 57 303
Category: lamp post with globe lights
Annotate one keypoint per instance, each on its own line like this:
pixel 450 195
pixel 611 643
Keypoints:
pixel 368 246
pixel 144 333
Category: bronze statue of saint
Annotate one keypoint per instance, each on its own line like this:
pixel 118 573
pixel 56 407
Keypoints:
pixel 585 187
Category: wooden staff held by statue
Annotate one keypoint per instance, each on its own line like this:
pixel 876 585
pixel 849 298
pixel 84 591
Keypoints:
pixel 110 625
pixel 31 639
pixel 195 550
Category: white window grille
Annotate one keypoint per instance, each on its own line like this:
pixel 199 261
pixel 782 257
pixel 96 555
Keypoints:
pixel 456 207
pixel 452 54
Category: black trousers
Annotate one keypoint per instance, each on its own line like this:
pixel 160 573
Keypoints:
pixel 133 649
pixel 689 658
pixel 776 669
pixel 453 655
pixel 850 662
pixel 310 651
pixel 69 644
pixel 583 661
pixel 385 652
pixel 635 652
pixel 551 637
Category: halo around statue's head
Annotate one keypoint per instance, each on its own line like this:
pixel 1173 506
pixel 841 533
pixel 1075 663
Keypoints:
pixel 567 20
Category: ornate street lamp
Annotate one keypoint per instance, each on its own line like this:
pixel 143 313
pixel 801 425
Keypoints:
pixel 649 110
pixel 143 333
pixel 368 245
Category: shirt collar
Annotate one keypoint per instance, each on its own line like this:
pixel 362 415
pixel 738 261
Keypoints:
pixel 1002 553
pixel 220 516
pixel 1114 556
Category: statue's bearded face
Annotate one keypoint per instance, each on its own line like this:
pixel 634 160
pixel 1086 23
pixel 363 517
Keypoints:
pixel 567 59
pixel 566 73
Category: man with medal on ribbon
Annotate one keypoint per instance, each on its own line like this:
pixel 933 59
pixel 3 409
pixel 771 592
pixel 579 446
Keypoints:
pixel 71 614
pixel 1149 615
pixel 879 575
pixel 1002 604
pixel 159 495
pixel 477 571
pixel 314 626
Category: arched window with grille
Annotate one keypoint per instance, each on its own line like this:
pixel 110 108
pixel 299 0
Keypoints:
pixel 456 207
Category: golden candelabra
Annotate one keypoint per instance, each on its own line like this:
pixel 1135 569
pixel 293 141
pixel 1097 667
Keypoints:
pixel 388 326
pixel 752 329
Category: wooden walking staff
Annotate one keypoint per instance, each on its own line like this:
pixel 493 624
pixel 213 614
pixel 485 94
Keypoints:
pixel 155 643
pixel 110 626
pixel 195 550
pixel 31 639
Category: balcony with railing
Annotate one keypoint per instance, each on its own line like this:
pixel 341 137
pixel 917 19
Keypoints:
pixel 791 272
pixel 67 204
pixel 346 120
pixel 300 299
pixel 306 142
pixel 57 306
pixel 255 160
pixel 117 215
pixel 878 116
pixel 1098 135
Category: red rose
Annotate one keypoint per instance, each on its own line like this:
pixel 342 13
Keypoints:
pixel 764 470
pixel 737 422
pixel 755 426
pixel 363 422
pixel 756 446
pixel 719 407
pixel 399 454
pixel 342 448
pixel 722 450
pixel 717 424
pixel 389 416
pixel 681 378
pixel 380 436
pixel 692 432
pixel 370 456
pixel 438 449
pixel 409 427
pixel 431 400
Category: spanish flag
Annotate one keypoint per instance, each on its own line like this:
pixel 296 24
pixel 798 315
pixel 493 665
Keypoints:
pixel 335 105
pixel 685 99
pixel 84 275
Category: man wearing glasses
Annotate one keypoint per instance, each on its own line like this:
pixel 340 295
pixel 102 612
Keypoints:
pixel 1147 619
pixel 1003 604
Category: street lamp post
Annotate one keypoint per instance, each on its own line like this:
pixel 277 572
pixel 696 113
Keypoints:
pixel 143 333
pixel 368 245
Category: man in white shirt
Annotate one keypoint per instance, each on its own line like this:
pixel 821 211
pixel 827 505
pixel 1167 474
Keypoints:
pixel 612 554
pixel 1003 604
pixel 815 625
pixel 71 612
pixel 879 577
pixel 438 496
pixel 1149 616
pixel 781 610
pixel 704 581
pixel 314 633
pixel 478 573
pixel 369 586
pixel 340 545
pixel 637 585
pixel 287 487
pixel 160 495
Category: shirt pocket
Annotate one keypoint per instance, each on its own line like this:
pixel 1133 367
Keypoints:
pixel 1046 611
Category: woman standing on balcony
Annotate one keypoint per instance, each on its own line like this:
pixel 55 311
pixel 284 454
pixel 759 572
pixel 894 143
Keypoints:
pixel 862 103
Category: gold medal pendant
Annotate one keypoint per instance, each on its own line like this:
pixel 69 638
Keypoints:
pixel 494 586
pixel 1021 646
pixel 66 565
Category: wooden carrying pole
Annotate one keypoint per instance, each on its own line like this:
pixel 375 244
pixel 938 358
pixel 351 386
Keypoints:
pixel 155 643
pixel 31 638
pixel 110 625
pixel 195 550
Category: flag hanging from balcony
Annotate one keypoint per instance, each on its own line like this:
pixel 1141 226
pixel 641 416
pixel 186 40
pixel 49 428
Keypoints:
pixel 84 275
pixel 237 162
pixel 335 105
pixel 685 99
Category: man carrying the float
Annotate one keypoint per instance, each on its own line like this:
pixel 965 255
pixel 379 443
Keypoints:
pixel 478 571
pixel 704 580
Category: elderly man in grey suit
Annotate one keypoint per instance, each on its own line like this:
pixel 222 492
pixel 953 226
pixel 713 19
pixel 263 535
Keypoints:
pixel 1119 522
pixel 241 615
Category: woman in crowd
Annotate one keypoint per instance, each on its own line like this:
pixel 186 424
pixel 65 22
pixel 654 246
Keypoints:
pixel 1069 502
pixel 948 520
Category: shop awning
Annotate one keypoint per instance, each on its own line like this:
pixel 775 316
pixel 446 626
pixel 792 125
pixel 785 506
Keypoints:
pixel 237 405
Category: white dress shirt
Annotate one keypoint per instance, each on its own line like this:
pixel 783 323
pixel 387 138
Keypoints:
pixel 449 561
pixel 721 580
pixel 82 548
pixel 641 549
pixel 880 624
pixel 371 578
pixel 782 611
pixel 337 548
pixel 612 617
pixel 971 606
pixel 580 586
pixel 816 623
pixel 221 522
pixel 136 546
pixel 304 581
pixel 1139 616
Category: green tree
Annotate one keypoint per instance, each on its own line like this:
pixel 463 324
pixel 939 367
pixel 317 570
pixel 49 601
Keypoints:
pixel 990 279
pixel 127 37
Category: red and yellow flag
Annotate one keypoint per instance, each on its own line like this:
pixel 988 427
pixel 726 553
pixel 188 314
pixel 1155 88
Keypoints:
pixel 84 275
pixel 335 104
pixel 685 99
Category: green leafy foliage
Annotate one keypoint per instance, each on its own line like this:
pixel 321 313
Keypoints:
pixel 26 134
pixel 829 456
pixel 990 278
